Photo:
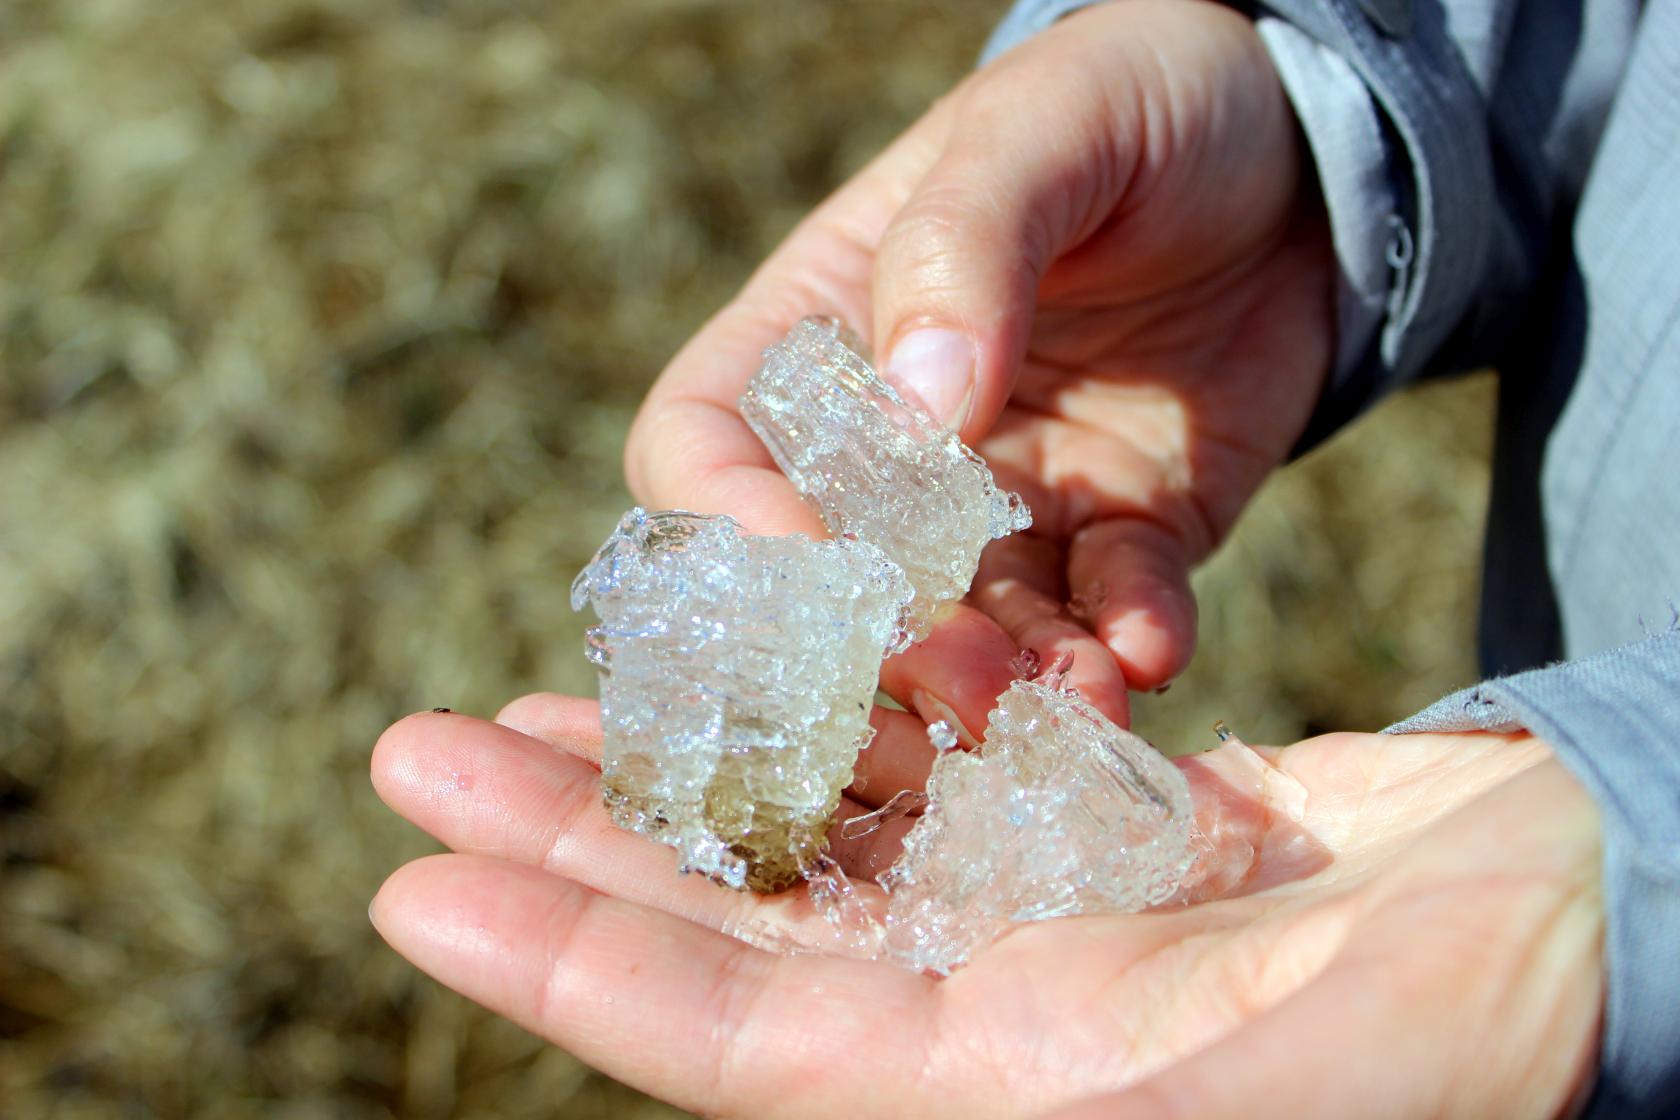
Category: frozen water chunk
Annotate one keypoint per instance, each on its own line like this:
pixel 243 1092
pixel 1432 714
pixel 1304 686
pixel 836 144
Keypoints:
pixel 736 680
pixel 1060 812
pixel 875 467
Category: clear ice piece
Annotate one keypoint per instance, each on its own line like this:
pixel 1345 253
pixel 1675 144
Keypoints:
pixel 901 804
pixel 1060 812
pixel 736 680
pixel 875 467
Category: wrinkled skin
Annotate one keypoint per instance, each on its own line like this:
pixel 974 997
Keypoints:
pixel 1403 941
pixel 1116 212
pixel 1115 215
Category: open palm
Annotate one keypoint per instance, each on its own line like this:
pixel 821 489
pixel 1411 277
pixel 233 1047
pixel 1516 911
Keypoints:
pixel 1114 219
pixel 1403 924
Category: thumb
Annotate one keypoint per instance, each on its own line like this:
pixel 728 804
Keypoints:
pixel 1022 180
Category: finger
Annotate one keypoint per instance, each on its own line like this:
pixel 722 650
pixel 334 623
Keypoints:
pixel 1250 813
pixel 898 758
pixel 957 273
pixel 867 856
pixel 1020 585
pixel 488 790
pixel 678 1011
pixel 570 723
pixel 699 456
pixel 1130 580
pixel 956 673
pixel 689 447
pixel 485 789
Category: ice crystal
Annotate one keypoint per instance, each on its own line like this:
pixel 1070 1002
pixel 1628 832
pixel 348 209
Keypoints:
pixel 737 673
pixel 1087 605
pixel 942 735
pixel 736 678
pixel 901 804
pixel 876 467
pixel 1059 813
pixel 1026 664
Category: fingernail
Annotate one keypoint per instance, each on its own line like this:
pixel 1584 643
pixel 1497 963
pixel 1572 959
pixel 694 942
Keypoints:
pixel 934 368
pixel 934 710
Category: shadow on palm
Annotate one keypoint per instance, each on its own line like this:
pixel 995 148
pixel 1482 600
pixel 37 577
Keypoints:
pixel 586 934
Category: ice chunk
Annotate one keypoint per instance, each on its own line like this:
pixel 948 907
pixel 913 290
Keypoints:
pixel 942 735
pixel 1060 812
pixel 901 804
pixel 737 673
pixel 875 467
pixel 736 680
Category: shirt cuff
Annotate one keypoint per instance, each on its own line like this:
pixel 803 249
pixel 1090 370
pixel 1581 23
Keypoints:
pixel 1614 721
pixel 1411 207
pixel 1026 19
pixel 1345 136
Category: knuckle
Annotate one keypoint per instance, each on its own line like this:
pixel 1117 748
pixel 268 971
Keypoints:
pixel 997 98
pixel 513 710
pixel 639 449
pixel 937 228
pixel 655 458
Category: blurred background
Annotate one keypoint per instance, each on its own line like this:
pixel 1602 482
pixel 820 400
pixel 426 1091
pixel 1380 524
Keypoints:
pixel 321 322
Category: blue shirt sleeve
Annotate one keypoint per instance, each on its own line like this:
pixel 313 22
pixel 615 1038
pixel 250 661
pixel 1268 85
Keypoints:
pixel 1451 141
pixel 1614 720
pixel 1447 138
pixel 1405 188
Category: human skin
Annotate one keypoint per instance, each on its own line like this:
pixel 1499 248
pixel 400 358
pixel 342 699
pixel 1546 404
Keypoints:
pixel 1115 222
pixel 1418 936
pixel 1115 218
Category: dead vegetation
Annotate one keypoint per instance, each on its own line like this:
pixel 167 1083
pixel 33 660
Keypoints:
pixel 321 322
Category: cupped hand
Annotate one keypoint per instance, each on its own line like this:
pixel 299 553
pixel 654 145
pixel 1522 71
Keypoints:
pixel 1415 933
pixel 1098 258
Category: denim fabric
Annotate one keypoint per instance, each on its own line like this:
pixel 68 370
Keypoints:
pixel 1520 187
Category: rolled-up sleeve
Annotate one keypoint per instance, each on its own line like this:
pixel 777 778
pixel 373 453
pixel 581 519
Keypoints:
pixel 1399 142
pixel 1438 165
pixel 1449 140
pixel 1350 148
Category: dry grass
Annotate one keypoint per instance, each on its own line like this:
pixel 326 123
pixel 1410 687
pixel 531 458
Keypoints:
pixel 321 322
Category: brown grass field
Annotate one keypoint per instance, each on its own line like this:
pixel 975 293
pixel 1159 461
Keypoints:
pixel 321 322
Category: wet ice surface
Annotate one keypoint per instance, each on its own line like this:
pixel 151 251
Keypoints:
pixel 736 679
pixel 737 674
pixel 875 467
pixel 1247 834
pixel 1059 813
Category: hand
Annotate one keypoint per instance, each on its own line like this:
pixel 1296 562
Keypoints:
pixel 1099 259
pixel 1419 936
